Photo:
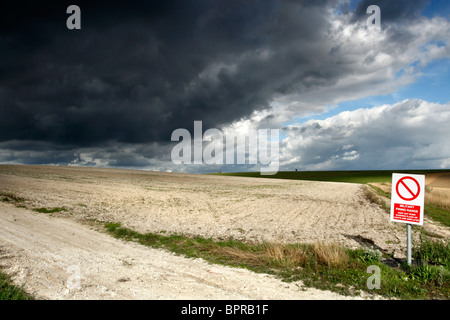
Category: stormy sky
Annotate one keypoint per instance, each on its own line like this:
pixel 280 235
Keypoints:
pixel 343 95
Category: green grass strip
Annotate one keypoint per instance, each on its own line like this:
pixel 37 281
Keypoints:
pixel 51 210
pixel 363 176
pixel 438 214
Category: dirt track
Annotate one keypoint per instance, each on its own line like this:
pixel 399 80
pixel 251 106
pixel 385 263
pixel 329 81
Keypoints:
pixel 47 252
pixel 39 248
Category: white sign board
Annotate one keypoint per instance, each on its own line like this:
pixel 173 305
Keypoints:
pixel 407 198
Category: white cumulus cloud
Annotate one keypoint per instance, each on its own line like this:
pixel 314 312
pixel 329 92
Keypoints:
pixel 409 134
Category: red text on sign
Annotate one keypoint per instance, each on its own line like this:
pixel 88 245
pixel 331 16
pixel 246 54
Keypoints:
pixel 406 212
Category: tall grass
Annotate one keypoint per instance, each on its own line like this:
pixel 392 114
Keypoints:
pixel 438 198
pixel 331 255
pixel 286 255
pixel 433 252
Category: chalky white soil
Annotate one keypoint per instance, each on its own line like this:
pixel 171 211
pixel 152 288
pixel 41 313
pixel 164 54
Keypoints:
pixel 46 250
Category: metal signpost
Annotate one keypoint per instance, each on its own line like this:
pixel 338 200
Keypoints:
pixel 407 203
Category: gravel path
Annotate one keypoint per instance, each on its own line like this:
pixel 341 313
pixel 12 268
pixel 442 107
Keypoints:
pixel 47 253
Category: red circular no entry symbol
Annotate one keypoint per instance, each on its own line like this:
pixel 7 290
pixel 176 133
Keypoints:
pixel 408 192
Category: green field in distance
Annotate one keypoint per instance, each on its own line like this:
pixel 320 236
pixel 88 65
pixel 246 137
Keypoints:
pixel 365 176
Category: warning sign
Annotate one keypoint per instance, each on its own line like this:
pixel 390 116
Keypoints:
pixel 407 188
pixel 407 198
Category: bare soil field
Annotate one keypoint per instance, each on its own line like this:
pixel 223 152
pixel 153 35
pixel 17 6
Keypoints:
pixel 247 209
pixel 48 255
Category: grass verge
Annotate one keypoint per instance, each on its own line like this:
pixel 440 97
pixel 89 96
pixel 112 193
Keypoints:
pixel 9 197
pixel 9 291
pixel 324 266
pixel 51 210
pixel 378 196
pixel 438 213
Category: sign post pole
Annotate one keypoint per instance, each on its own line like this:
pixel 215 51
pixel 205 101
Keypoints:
pixel 408 243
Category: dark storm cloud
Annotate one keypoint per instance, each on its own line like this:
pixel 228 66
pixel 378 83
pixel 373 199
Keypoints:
pixel 113 92
pixel 34 152
pixel 138 70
